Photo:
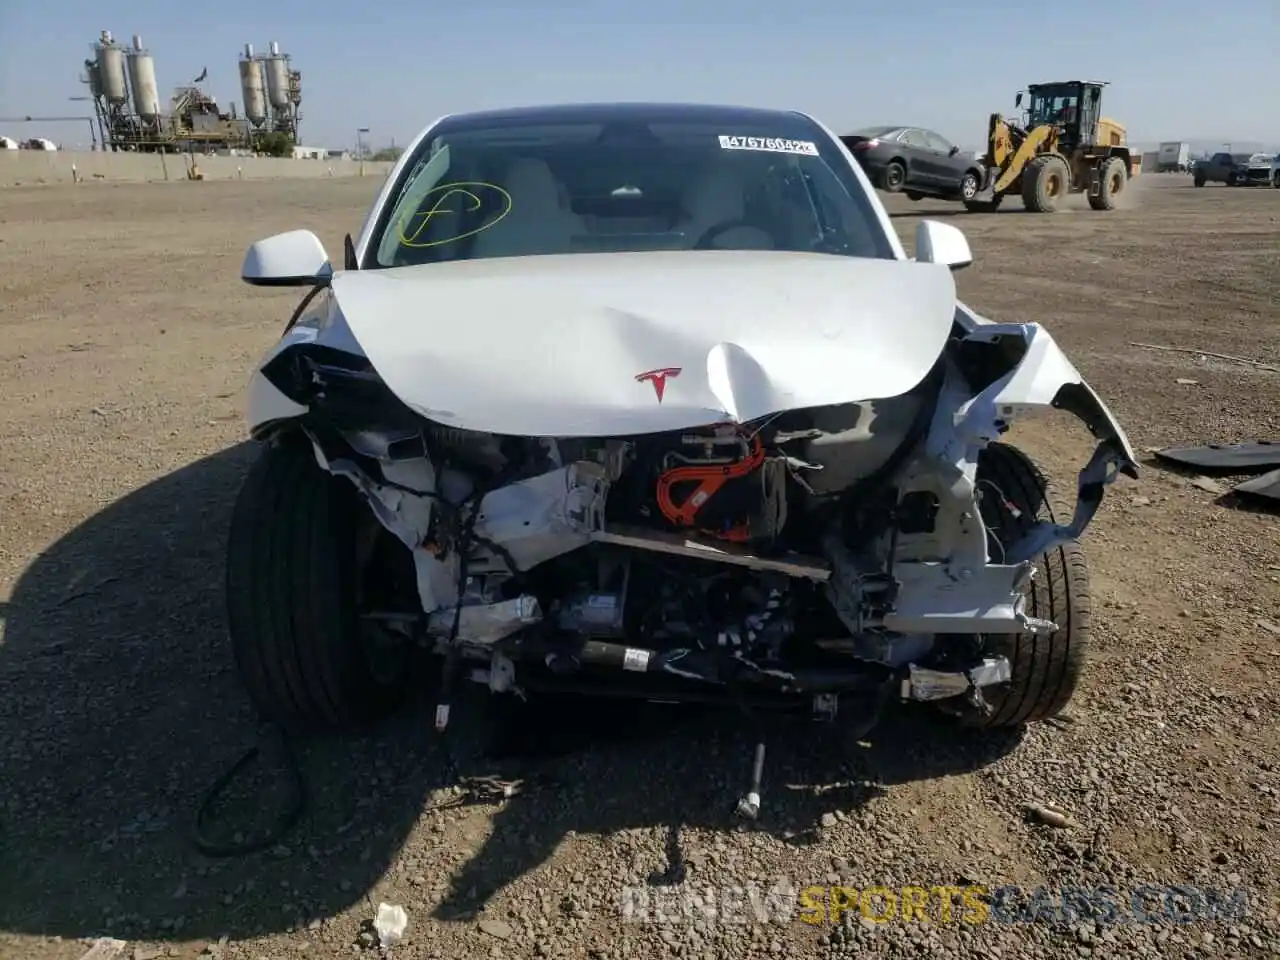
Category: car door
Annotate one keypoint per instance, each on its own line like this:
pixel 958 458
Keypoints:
pixel 946 167
pixel 1220 165
pixel 916 153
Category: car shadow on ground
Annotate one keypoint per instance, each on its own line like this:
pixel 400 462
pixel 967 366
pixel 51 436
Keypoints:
pixel 119 706
pixel 931 214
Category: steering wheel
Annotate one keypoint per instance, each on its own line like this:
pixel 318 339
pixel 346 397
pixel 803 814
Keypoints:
pixel 704 241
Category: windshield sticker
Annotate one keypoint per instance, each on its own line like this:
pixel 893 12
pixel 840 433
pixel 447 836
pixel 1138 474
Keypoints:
pixel 454 211
pixel 805 148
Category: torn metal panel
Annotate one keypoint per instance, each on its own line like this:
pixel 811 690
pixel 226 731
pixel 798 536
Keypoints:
pixel 1226 457
pixel 809 568
pixel 1265 488
pixel 486 623
pixel 988 599
pixel 545 516
pixel 923 684
pixel 1042 378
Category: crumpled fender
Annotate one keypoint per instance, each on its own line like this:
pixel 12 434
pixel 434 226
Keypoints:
pixel 1042 377
pixel 320 323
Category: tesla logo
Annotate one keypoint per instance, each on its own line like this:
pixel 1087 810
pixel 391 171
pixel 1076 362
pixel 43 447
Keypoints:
pixel 658 378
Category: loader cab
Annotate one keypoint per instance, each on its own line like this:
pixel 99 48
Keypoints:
pixel 1072 106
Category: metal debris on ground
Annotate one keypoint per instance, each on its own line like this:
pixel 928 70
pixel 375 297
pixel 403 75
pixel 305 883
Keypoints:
pixel 105 948
pixel 1212 486
pixel 1258 364
pixel 1049 815
pixel 498 929
pixel 390 922
pixel 492 788
pixel 1248 457
pixel 1265 487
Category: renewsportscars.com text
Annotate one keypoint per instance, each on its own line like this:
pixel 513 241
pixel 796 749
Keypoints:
pixel 784 902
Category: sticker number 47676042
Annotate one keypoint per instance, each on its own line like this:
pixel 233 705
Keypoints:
pixel 770 145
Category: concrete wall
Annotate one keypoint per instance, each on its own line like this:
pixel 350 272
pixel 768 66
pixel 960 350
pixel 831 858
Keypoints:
pixel 24 167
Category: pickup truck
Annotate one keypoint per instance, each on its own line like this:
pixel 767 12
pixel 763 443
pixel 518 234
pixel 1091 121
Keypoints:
pixel 1235 169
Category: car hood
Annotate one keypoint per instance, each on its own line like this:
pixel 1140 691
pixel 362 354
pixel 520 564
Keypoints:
pixel 615 344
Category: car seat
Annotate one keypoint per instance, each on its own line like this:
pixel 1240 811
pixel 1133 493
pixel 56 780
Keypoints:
pixel 539 221
pixel 717 197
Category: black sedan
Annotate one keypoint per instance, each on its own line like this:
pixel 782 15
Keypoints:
pixel 915 161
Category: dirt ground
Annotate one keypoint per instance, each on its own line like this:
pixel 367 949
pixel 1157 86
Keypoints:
pixel 125 342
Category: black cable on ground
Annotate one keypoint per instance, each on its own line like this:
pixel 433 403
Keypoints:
pixel 452 769
pixel 273 836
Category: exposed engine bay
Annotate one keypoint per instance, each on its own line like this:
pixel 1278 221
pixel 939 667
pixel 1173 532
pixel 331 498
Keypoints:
pixel 796 559
pixel 805 553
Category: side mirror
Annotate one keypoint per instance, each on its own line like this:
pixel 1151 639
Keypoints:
pixel 293 259
pixel 1017 101
pixel 942 243
pixel 953 151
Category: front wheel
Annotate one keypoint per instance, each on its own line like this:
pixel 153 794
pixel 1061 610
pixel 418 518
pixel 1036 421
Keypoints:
pixel 1045 181
pixel 304 557
pixel 1045 669
pixel 1199 181
pixel 969 186
pixel 1275 179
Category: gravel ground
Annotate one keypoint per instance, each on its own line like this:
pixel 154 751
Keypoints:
pixel 126 341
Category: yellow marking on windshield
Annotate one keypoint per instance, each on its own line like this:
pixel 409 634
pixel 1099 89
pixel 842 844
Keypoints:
pixel 461 197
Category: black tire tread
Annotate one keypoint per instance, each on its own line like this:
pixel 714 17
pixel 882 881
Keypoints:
pixel 1033 175
pixel 1045 669
pixel 290 597
pixel 1106 200
pixel 885 182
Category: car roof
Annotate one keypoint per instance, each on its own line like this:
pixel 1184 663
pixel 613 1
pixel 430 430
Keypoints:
pixel 1067 83
pixel 730 116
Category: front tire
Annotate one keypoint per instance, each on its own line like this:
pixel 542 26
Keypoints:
pixel 1045 669
pixel 293 579
pixel 969 186
pixel 895 176
pixel 1045 181
pixel 1113 178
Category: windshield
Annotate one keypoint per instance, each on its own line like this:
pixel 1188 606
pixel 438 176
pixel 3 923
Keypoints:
pixel 1056 107
pixel 495 188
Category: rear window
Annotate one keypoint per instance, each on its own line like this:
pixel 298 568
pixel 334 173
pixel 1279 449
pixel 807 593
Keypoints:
pixel 872 133
pixel 501 189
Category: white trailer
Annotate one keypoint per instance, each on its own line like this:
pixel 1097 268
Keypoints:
pixel 1174 157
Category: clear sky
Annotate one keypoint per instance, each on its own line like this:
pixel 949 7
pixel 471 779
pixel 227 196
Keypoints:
pixel 1180 69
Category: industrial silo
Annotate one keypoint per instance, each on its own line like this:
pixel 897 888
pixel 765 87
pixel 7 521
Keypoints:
pixel 110 56
pixel 252 87
pixel 277 70
pixel 142 77
pixel 93 78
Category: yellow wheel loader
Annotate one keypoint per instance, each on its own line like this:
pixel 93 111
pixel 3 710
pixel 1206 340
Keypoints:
pixel 1064 145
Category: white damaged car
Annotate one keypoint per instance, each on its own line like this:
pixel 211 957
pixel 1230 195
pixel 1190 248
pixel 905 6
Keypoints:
pixel 649 401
